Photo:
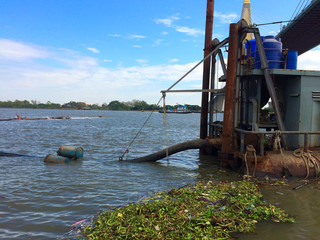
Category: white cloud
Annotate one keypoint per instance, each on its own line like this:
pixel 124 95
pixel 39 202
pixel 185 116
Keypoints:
pixel 94 50
pixel 164 33
pixel 226 18
pixel 273 33
pixel 133 36
pixel 107 60
pixel 75 60
pixel 309 60
pixel 136 46
pixel 167 21
pixel 114 35
pixel 189 31
pixel 173 60
pixel 72 76
pixel 157 42
pixel 142 61
pixel 19 51
pixel 183 29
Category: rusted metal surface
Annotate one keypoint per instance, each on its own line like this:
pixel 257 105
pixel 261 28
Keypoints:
pixel 56 159
pixel 274 164
pixel 245 134
pixel 206 71
pixel 212 83
pixel 230 85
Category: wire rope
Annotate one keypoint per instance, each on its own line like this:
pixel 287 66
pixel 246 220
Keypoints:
pixel 294 12
pixel 179 80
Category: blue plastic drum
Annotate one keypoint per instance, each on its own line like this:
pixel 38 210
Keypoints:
pixel 71 152
pixel 292 59
pixel 273 49
pixel 252 47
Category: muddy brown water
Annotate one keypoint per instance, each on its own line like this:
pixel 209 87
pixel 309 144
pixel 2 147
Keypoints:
pixel 42 201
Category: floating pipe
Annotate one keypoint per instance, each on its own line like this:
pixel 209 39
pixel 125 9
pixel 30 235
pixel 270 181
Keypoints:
pixel 193 144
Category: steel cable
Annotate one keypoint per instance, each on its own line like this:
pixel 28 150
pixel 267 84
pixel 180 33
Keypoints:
pixel 180 79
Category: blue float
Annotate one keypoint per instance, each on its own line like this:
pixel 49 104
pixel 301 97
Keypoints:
pixel 65 154
pixel 71 152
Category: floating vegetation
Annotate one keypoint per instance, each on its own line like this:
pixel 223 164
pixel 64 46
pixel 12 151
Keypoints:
pixel 203 211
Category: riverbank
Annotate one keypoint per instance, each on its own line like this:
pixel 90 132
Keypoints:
pixel 205 210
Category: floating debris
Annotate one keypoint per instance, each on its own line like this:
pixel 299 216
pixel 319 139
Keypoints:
pixel 18 118
pixel 206 210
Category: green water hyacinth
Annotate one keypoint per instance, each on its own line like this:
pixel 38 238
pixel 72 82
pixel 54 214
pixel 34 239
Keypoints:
pixel 203 211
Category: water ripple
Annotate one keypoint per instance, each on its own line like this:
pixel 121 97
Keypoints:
pixel 40 200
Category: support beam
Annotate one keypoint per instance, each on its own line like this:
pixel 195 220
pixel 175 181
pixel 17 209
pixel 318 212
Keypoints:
pixel 270 85
pixel 223 65
pixel 212 83
pixel 206 71
pixel 230 85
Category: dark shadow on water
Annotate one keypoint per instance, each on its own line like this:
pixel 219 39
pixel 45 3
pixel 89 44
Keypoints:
pixel 209 169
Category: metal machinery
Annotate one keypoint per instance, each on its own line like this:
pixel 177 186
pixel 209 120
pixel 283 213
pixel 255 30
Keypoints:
pixel 298 96
pixel 274 143
pixel 295 98
pixel 294 94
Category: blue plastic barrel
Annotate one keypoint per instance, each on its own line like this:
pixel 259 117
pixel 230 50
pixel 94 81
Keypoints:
pixel 273 49
pixel 71 152
pixel 252 47
pixel 292 59
pixel 56 159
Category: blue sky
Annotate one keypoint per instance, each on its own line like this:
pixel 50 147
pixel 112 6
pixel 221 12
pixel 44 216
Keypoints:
pixel 99 51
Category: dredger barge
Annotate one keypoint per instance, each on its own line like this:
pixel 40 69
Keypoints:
pixel 260 70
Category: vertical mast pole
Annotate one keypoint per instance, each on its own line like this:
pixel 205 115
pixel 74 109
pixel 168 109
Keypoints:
pixel 230 85
pixel 206 71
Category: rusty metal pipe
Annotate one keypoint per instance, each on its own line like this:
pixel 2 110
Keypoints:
pixel 212 83
pixel 206 71
pixel 230 85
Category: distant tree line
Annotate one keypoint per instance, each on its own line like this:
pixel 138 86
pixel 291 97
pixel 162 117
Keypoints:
pixel 137 105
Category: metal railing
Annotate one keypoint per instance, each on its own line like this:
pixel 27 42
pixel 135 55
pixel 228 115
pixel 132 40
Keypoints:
pixel 261 135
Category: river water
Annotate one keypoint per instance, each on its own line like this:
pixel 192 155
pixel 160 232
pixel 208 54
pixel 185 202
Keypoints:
pixel 41 201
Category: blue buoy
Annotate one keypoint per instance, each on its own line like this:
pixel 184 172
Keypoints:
pixel 65 154
pixel 71 152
